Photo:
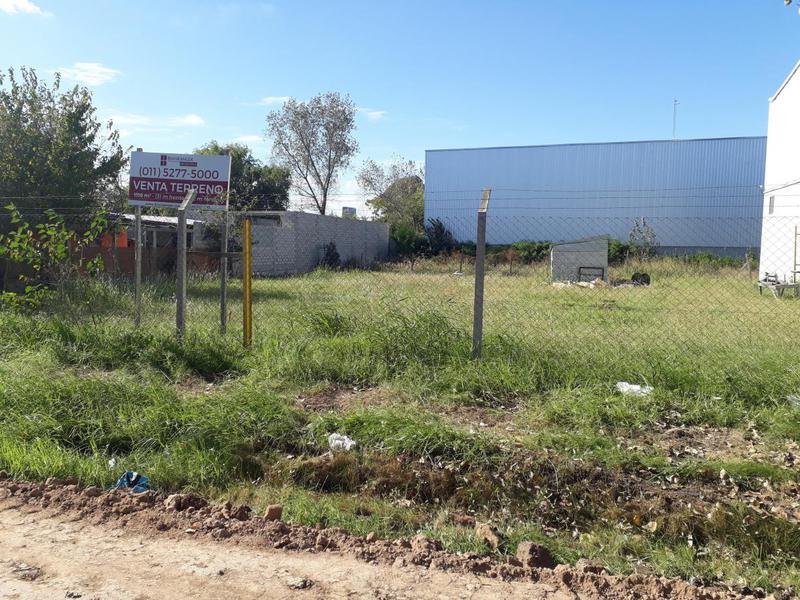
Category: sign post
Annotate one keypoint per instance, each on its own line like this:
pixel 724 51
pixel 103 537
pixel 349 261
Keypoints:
pixel 137 319
pixel 180 307
pixel 177 181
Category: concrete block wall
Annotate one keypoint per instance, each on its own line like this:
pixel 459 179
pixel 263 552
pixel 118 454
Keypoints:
pixel 567 258
pixel 286 243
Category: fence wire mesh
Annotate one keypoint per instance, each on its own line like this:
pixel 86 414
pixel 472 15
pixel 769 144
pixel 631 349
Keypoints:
pixel 703 284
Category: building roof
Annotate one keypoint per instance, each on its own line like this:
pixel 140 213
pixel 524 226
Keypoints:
pixel 720 139
pixel 593 238
pixel 786 81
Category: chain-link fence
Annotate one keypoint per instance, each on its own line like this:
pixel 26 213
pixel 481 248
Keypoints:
pixel 584 286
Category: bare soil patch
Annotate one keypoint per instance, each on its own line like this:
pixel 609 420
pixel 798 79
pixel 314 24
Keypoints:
pixel 181 546
pixel 194 386
pixel 479 418
pixel 716 443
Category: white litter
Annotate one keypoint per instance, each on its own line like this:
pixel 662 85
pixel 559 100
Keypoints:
pixel 337 442
pixel 112 463
pixel 632 389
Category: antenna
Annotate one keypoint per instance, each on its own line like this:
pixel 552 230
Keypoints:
pixel 674 117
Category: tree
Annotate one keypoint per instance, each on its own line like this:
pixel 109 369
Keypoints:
pixel 53 150
pixel 397 191
pixel 52 252
pixel 643 238
pixel 409 241
pixel 314 140
pixel 439 238
pixel 254 186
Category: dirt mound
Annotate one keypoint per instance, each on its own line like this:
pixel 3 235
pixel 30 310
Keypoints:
pixel 182 515
pixel 337 399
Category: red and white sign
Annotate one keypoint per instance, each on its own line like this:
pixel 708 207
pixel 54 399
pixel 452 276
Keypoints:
pixel 164 179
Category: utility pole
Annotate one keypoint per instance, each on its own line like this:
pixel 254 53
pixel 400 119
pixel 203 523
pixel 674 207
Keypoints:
pixel 675 118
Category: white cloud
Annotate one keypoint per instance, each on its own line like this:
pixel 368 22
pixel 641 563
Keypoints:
pixel 141 121
pixel 16 7
pixel 273 100
pixel 189 120
pixel 131 119
pixel 133 124
pixel 372 114
pixel 89 73
pixel 249 138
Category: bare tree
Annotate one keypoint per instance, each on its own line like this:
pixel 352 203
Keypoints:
pixel 315 141
pixel 396 190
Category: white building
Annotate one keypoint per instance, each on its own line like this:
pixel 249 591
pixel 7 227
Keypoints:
pixel 780 234
pixel 702 194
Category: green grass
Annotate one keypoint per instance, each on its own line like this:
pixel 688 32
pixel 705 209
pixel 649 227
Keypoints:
pixel 400 431
pixel 79 386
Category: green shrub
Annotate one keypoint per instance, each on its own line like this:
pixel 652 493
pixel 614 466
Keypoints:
pixel 408 240
pixel 438 237
pixel 468 248
pixel 712 260
pixel 330 256
pixel 619 251
pixel 530 251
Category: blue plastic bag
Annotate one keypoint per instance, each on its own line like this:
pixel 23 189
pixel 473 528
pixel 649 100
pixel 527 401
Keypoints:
pixel 134 481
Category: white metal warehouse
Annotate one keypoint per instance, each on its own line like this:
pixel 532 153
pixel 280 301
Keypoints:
pixel 703 194
pixel 780 241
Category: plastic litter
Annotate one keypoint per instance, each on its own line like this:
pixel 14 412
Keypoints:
pixel 338 442
pixel 633 389
pixel 133 481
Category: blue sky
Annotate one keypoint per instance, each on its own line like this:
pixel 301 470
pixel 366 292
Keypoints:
pixel 425 74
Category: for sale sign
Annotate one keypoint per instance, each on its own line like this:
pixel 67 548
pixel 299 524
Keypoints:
pixel 164 179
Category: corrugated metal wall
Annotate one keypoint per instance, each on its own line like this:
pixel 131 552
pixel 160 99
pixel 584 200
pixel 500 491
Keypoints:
pixel 694 193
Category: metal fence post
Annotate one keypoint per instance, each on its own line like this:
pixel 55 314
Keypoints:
pixel 480 256
pixel 137 317
pixel 223 276
pixel 247 282
pixel 180 292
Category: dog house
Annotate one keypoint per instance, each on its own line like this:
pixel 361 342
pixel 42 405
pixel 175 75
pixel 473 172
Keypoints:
pixel 580 260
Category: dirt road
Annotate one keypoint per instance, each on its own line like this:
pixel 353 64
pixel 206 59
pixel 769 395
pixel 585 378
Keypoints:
pixel 55 558
pixel 61 542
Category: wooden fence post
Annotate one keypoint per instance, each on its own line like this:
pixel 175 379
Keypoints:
pixel 480 258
